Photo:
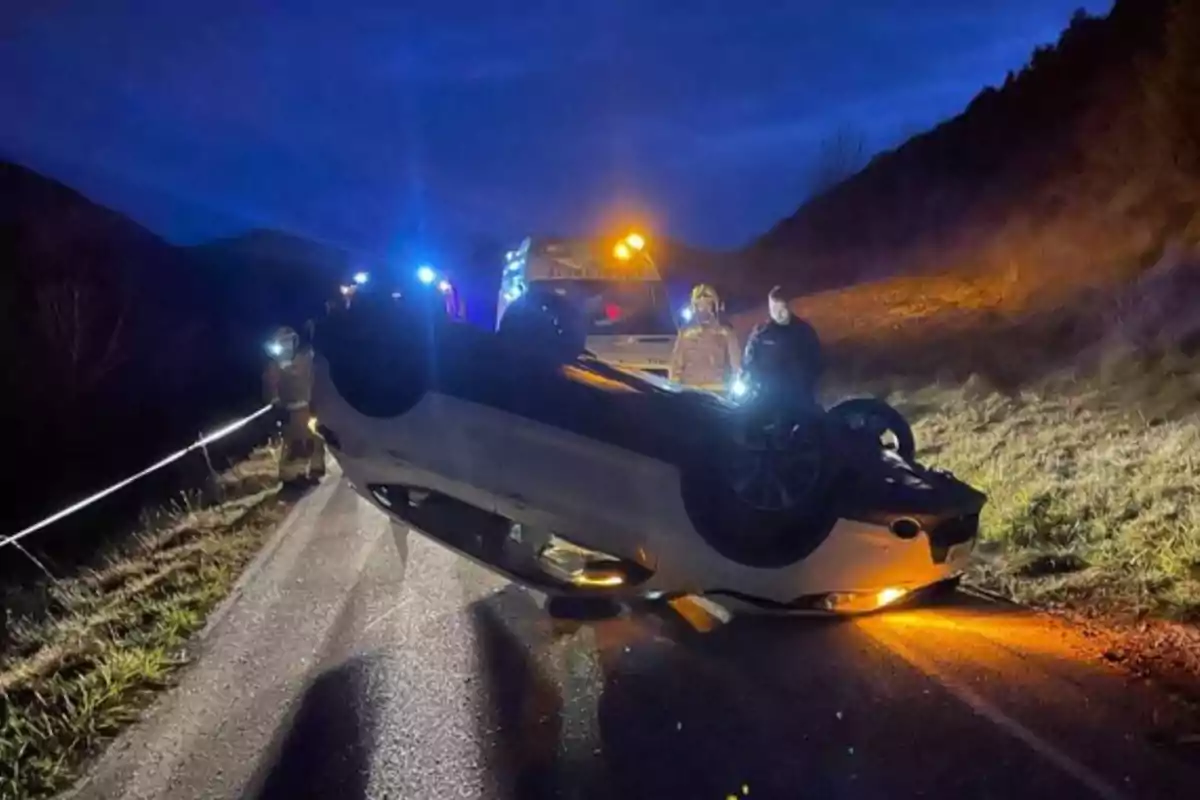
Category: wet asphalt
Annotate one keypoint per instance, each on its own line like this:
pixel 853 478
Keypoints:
pixel 350 666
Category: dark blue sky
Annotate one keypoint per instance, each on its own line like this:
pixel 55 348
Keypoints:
pixel 373 124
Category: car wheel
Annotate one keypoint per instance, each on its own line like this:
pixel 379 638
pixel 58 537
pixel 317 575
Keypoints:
pixel 762 507
pixel 778 470
pixel 379 360
pixel 543 323
pixel 875 418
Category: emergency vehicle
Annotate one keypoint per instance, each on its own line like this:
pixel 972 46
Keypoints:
pixel 618 288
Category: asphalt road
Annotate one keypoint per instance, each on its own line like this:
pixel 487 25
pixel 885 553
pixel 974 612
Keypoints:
pixel 348 667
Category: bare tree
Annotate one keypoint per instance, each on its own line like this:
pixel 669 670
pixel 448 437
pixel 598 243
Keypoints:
pixel 83 330
pixel 839 156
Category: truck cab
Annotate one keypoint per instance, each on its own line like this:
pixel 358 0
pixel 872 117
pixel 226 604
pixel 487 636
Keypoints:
pixel 626 309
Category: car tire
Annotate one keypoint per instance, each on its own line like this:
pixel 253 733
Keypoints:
pixel 755 536
pixel 873 416
pixel 379 360
pixel 543 324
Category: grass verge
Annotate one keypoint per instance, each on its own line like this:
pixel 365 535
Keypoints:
pixel 1091 504
pixel 85 656
pixel 1081 421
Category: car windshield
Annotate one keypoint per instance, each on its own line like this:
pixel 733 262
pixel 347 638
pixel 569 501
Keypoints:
pixel 621 308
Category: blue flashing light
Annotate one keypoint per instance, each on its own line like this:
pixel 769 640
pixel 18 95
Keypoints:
pixel 426 275
pixel 361 277
pixel 687 314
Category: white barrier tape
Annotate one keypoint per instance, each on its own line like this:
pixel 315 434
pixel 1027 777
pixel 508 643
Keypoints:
pixel 204 441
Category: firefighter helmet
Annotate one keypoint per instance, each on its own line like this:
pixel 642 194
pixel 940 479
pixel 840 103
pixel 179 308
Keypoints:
pixel 283 343
pixel 703 293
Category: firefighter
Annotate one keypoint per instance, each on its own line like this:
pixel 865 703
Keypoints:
pixel 706 354
pixel 288 384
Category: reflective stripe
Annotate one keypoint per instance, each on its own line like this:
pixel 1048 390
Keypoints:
pixel 87 501
pixel 297 405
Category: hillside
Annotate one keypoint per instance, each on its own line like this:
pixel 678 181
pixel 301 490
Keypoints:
pixel 1033 208
pixel 268 278
pixel 1023 282
pixel 274 270
pixel 118 345
pixel 64 254
pixel 104 332
pixel 1067 164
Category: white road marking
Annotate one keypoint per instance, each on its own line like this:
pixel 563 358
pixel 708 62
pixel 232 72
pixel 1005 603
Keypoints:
pixel 1085 776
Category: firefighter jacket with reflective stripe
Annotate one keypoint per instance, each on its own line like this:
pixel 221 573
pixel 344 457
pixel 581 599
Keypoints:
pixel 706 354
pixel 290 383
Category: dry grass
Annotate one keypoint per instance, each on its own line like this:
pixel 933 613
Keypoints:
pixel 86 655
pixel 1081 420
pixel 1089 503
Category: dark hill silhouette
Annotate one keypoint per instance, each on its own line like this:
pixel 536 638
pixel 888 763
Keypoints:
pixel 1003 242
pixel 1066 141
pixel 84 289
pixel 119 347
pixel 266 246
pixel 268 278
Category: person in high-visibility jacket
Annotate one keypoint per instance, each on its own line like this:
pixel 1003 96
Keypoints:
pixel 287 383
pixel 706 354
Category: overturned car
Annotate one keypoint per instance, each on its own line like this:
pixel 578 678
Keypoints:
pixel 580 479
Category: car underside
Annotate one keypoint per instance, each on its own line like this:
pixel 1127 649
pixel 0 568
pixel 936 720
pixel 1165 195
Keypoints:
pixel 579 479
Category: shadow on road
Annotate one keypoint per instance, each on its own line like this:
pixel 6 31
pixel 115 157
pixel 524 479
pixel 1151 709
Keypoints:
pixel 524 706
pixel 761 707
pixel 730 711
pixel 325 749
pixel 677 714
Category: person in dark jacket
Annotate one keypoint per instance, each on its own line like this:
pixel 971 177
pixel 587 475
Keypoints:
pixel 783 359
